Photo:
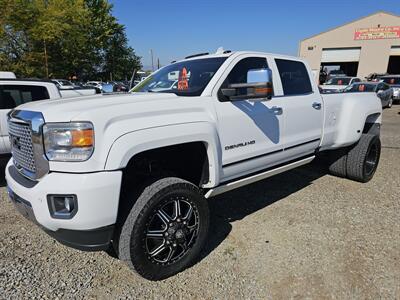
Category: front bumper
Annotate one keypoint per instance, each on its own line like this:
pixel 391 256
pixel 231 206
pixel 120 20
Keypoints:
pixel 91 228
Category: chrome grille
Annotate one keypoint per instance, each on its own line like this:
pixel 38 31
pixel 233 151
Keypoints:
pixel 21 145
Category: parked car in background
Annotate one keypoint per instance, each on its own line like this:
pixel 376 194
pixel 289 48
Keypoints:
pixel 375 76
pixel 394 82
pixel 336 84
pixel 119 86
pixel 63 84
pixel 69 89
pixel 96 84
pixel 9 75
pixel 14 92
pixel 78 83
pixel 335 73
pixel 382 90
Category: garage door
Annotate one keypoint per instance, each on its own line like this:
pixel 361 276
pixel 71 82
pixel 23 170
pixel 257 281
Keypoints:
pixel 395 50
pixel 340 54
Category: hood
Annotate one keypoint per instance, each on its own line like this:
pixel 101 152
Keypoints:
pixel 65 110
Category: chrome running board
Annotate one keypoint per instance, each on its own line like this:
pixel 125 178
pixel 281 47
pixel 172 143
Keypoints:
pixel 254 178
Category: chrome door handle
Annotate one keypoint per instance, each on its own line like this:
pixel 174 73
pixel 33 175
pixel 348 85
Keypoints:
pixel 276 110
pixel 316 105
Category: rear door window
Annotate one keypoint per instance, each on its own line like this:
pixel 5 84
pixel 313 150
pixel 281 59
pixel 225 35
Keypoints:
pixel 294 77
pixel 13 95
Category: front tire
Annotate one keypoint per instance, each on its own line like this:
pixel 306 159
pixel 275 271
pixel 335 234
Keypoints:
pixel 165 229
pixel 363 158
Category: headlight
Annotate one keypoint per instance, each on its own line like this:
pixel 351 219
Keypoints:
pixel 68 141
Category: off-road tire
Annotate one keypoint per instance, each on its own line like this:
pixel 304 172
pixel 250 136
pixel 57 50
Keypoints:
pixel 363 158
pixel 132 239
pixel 338 161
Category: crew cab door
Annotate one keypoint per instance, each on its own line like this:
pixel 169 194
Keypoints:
pixel 302 107
pixel 250 131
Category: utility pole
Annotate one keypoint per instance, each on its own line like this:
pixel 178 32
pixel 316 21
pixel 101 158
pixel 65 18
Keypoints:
pixel 158 63
pixel 152 61
pixel 46 64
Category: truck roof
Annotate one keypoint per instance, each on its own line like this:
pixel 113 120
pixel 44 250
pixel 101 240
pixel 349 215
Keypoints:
pixel 26 80
pixel 230 53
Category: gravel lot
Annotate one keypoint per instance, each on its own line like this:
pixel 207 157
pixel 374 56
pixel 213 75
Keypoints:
pixel 302 234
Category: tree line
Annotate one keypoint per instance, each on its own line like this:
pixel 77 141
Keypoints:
pixel 64 39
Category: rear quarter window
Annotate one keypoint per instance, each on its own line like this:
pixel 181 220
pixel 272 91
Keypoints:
pixel 294 77
pixel 13 95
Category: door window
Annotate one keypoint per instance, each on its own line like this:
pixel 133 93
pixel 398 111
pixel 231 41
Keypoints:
pixel 294 77
pixel 239 72
pixel 13 95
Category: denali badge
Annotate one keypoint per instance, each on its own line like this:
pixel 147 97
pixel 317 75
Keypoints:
pixel 240 145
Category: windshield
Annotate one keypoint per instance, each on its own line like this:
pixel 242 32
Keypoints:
pixel 391 80
pixel 360 88
pixel 187 78
pixel 338 81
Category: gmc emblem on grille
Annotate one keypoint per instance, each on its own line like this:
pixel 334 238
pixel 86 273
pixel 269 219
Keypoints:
pixel 15 142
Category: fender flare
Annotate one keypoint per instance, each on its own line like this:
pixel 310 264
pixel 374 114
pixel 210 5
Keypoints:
pixel 132 143
pixel 353 119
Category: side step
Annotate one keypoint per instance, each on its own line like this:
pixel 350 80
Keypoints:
pixel 254 178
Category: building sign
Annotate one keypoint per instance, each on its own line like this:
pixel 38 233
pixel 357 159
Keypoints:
pixel 378 33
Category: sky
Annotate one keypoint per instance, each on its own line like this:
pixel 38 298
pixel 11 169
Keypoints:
pixel 174 29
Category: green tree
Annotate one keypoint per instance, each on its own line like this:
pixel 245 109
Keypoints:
pixel 63 38
pixel 119 58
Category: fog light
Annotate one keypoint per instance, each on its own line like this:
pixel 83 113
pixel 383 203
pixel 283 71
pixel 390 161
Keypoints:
pixel 62 206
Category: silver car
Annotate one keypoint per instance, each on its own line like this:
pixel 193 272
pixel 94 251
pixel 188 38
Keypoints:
pixel 382 90
pixel 394 82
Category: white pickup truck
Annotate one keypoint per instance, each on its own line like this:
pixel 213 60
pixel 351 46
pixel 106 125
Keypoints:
pixel 131 173
pixel 14 92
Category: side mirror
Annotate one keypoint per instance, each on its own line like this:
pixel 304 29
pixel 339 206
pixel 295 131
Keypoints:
pixel 258 87
pixel 107 88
